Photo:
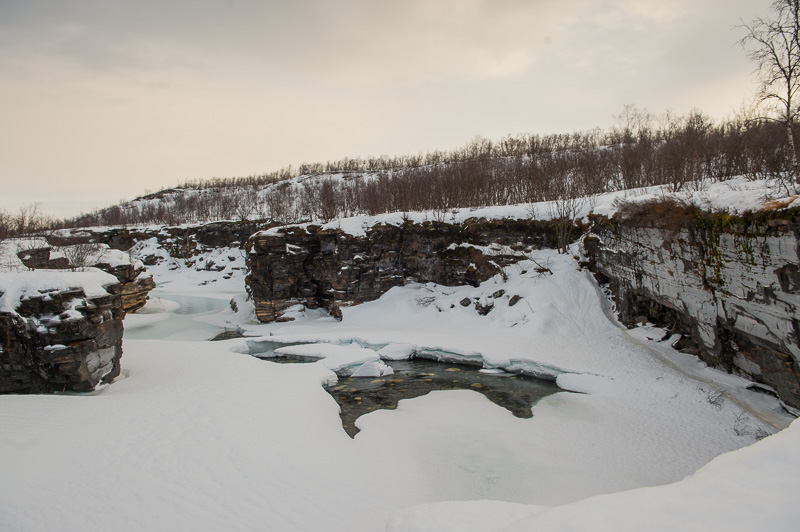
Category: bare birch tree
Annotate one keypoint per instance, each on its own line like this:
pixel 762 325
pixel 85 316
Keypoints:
pixel 774 45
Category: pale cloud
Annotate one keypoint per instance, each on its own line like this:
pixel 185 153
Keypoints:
pixel 113 95
pixel 345 39
pixel 641 15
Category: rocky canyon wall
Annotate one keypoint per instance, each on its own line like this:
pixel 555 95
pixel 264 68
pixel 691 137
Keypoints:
pixel 59 339
pixel 135 282
pixel 730 284
pixel 180 242
pixel 328 268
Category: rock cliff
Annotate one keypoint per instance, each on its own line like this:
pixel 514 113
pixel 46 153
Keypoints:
pixel 135 283
pixel 329 268
pixel 730 284
pixel 180 241
pixel 215 247
pixel 59 339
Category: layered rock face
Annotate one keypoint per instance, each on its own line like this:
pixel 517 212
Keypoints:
pixel 195 246
pixel 135 284
pixel 731 286
pixel 134 287
pixel 61 340
pixel 330 268
pixel 181 242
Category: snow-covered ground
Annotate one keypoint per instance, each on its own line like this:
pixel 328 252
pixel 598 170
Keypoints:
pixel 199 435
pixel 212 272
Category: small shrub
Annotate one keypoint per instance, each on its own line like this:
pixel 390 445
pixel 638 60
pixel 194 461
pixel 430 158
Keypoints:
pixel 666 213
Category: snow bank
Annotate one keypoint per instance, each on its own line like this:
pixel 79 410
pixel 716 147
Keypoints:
pixel 219 270
pixel 458 516
pixel 99 253
pixel 750 489
pixel 342 360
pixel 638 419
pixel 113 257
pixel 397 351
pixel 198 437
pixel 201 438
pixel 754 488
pixel 9 250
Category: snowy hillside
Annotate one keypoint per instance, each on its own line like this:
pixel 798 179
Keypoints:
pixel 685 155
pixel 200 435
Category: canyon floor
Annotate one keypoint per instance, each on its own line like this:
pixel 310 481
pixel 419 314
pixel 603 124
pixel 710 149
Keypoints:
pixel 201 435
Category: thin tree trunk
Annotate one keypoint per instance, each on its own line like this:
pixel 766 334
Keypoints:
pixel 795 165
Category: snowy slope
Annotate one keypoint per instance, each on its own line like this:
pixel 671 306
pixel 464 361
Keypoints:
pixel 197 436
pixel 643 422
pixel 750 489
pixel 202 436
pixel 735 195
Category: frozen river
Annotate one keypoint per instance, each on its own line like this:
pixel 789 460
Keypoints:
pixel 175 317
pixel 181 317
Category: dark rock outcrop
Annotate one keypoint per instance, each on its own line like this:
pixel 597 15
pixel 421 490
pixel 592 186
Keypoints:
pixel 135 283
pixel 728 284
pixel 61 341
pixel 330 268
pixel 39 259
pixel 180 241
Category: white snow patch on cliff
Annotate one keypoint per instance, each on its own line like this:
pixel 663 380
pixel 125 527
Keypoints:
pixel 17 286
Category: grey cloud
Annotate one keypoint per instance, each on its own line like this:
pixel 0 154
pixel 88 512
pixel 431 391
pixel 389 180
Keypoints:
pixel 315 38
pixel 375 42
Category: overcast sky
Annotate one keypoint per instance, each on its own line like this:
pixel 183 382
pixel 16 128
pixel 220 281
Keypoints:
pixel 104 99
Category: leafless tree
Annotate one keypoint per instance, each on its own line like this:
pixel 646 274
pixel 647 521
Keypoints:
pixel 5 225
pixel 28 219
pixel 567 198
pixel 281 200
pixel 328 200
pixel 676 152
pixel 81 255
pixel 246 202
pixel 774 45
